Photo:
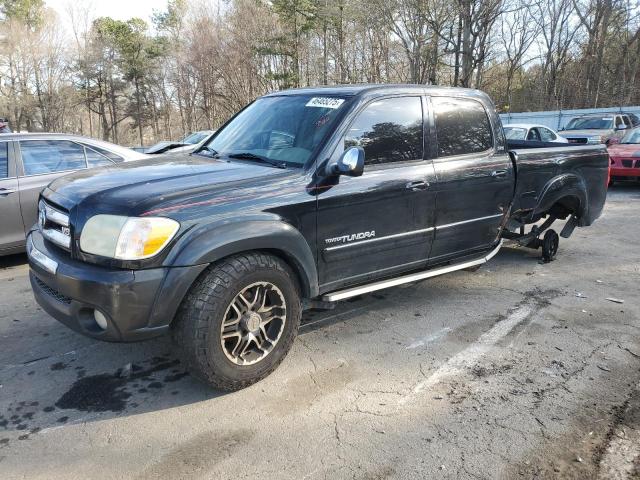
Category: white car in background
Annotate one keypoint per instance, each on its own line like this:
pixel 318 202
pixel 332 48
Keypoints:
pixel 538 133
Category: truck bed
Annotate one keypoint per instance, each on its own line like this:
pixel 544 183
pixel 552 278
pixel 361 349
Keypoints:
pixel 565 177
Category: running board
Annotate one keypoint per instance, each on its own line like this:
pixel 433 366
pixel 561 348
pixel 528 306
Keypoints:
pixel 413 277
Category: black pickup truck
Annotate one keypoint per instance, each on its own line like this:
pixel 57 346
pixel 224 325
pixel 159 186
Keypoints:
pixel 303 198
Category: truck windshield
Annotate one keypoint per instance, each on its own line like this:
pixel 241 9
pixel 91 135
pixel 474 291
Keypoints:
pixel 515 133
pixel 631 137
pixel 280 130
pixel 592 123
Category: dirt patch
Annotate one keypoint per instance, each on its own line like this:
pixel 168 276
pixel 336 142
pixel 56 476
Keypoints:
pixel 198 455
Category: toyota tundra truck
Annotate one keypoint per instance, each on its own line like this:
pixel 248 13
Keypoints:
pixel 304 198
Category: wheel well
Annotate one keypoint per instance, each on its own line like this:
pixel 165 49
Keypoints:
pixel 297 269
pixel 565 206
pixel 290 261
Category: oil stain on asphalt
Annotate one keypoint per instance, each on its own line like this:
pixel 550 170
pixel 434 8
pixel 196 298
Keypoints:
pixel 105 392
pixel 108 392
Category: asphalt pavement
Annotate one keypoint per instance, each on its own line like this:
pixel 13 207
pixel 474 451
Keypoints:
pixel 520 369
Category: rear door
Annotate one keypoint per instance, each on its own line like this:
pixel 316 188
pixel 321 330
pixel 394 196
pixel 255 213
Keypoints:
pixel 382 222
pixel 475 179
pixel 12 229
pixel 42 162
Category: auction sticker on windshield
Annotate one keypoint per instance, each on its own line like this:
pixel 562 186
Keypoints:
pixel 325 102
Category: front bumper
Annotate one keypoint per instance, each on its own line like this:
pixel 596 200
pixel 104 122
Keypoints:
pixel 138 304
pixel 625 172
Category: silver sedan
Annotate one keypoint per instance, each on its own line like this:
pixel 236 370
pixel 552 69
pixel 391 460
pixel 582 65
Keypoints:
pixel 30 161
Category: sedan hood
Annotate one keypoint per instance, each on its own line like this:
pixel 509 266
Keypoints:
pixel 585 133
pixel 624 150
pixel 136 185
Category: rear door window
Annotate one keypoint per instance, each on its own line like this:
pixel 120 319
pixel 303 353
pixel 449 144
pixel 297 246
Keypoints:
pixel 110 155
pixel 51 156
pixel 95 159
pixel 534 135
pixel 390 130
pixel 462 126
pixel 546 135
pixel 4 159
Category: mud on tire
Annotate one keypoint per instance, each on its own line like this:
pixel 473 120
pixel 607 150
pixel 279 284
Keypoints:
pixel 219 302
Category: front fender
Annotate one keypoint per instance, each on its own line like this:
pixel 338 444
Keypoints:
pixel 210 243
pixel 566 185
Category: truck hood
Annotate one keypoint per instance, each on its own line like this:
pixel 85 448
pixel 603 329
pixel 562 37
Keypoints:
pixel 146 183
pixel 585 133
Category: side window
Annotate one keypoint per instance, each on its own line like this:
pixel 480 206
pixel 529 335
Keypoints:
pixel 534 134
pixel 619 122
pixel 626 120
pixel 547 135
pixel 110 155
pixel 389 130
pixel 462 126
pixel 95 159
pixel 50 156
pixel 4 159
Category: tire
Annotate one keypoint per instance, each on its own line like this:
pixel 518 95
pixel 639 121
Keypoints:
pixel 215 303
pixel 550 244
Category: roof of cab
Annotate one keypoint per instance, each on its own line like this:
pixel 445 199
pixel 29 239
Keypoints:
pixel 382 89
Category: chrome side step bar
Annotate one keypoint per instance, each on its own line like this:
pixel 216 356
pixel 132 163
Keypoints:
pixel 413 277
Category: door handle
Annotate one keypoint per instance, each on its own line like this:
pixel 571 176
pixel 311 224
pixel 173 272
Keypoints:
pixel 6 191
pixel 417 185
pixel 499 173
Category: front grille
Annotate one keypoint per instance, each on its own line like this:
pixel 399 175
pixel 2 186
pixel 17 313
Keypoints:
pixel 577 140
pixel 52 292
pixel 54 224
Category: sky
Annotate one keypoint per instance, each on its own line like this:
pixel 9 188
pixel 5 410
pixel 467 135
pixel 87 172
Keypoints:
pixel 118 9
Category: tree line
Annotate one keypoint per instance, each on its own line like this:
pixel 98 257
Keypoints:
pixel 196 62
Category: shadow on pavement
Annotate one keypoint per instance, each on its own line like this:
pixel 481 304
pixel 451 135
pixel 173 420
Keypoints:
pixel 16 260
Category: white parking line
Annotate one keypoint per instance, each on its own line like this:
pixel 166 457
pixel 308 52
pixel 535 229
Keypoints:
pixel 430 338
pixel 467 357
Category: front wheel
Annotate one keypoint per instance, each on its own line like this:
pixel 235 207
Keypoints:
pixel 239 320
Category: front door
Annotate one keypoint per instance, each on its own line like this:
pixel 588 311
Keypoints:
pixel 11 230
pixel 475 179
pixel 382 222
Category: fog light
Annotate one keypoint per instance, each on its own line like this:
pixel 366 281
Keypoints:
pixel 100 319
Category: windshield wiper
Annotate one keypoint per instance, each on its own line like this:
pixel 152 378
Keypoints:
pixel 260 158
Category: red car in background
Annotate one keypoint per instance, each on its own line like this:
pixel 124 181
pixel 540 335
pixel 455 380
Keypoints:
pixel 625 157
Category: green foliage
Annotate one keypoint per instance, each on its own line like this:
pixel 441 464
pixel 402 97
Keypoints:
pixel 29 12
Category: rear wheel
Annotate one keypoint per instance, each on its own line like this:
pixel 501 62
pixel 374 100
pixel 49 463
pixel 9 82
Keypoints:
pixel 550 245
pixel 239 320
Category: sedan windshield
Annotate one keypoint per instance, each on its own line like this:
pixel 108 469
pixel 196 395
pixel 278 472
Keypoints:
pixel 591 123
pixel 196 137
pixel 631 137
pixel 515 133
pixel 280 130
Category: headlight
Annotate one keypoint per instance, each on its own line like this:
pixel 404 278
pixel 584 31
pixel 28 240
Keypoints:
pixel 127 238
pixel 596 140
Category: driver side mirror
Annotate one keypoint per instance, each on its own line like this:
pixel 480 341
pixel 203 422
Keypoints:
pixel 621 127
pixel 350 163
